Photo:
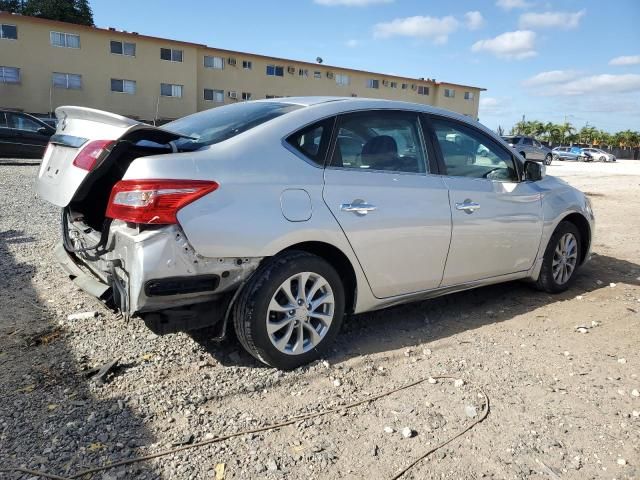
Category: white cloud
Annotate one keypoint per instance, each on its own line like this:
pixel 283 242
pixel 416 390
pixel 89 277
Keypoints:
pixel 597 84
pixel 550 78
pixel 350 3
pixel 352 43
pixel 511 4
pixel 511 45
pixel 494 106
pixel 434 28
pixel 474 20
pixel 563 20
pixel 625 60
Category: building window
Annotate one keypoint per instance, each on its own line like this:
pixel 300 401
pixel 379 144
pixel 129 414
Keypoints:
pixel 342 79
pixel 303 72
pixel 247 65
pixel 8 32
pixel 171 55
pixel 69 81
pixel 449 92
pixel 468 95
pixel 246 96
pixel 317 74
pixel 405 86
pixel 211 95
pixel 373 83
pixel 423 90
pixel 170 90
pixel 273 96
pixel 123 48
pixel 275 70
pixel 123 86
pixel 214 62
pixel 393 84
pixel 9 75
pixel 67 40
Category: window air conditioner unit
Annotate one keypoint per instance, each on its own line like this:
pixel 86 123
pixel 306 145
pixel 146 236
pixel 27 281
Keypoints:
pixel 385 83
pixel 231 61
pixel 233 94
pixel 329 74
pixel 291 70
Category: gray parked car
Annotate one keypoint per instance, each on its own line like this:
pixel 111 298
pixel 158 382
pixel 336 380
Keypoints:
pixel 281 216
pixel 530 148
pixel 599 154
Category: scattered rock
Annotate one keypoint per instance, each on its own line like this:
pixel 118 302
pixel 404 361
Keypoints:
pixel 388 430
pixel 458 383
pixel 622 360
pixel 408 432
pixel 582 329
pixel 612 285
pixel 186 439
pixel 432 380
pixel 621 461
pixel 82 316
pixel 471 411
pixel 635 393
pixel 337 382
pixel 272 465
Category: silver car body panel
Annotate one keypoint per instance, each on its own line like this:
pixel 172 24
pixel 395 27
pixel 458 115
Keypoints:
pixel 252 215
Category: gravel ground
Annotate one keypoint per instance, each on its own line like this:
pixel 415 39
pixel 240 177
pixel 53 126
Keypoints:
pixel 564 404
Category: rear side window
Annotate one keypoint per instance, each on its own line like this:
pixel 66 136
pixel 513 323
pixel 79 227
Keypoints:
pixel 312 141
pixel 527 141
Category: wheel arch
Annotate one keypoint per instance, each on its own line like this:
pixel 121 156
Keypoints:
pixel 338 260
pixel 582 224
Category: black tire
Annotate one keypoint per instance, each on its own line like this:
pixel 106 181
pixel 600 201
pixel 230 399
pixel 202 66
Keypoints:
pixel 556 158
pixel 251 308
pixel 546 280
pixel 603 158
pixel 548 159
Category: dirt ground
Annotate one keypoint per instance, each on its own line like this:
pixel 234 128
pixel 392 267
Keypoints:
pixel 563 404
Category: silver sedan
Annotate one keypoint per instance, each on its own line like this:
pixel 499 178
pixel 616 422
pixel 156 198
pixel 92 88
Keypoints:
pixel 278 217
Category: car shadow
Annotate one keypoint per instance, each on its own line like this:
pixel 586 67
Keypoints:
pixel 426 321
pixel 50 419
pixel 423 322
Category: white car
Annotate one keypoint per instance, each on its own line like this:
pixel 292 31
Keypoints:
pixel 280 216
pixel 600 155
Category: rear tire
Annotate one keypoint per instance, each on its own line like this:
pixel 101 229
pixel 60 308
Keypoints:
pixel 273 318
pixel 561 259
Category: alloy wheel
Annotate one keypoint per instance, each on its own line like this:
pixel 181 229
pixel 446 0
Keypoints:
pixel 565 258
pixel 300 313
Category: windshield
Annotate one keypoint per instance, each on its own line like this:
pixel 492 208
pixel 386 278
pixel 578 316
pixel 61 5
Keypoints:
pixel 221 123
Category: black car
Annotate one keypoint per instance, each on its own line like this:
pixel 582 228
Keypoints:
pixel 22 135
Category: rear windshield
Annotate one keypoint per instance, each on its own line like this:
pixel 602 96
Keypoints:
pixel 513 140
pixel 221 123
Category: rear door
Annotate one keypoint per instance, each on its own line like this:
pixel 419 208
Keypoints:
pixel 394 213
pixel 497 219
pixel 8 147
pixel 91 133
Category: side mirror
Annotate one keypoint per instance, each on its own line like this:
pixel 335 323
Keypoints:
pixel 534 171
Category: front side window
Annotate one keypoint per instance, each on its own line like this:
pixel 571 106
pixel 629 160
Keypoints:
pixel 9 75
pixel 373 83
pixel 170 90
pixel 213 62
pixel 527 141
pixel 8 32
pixel 22 122
pixel 69 81
pixel 275 70
pixel 66 40
pixel 312 141
pixel 469 153
pixel 379 140
pixel 123 48
pixel 123 86
pixel 212 95
pixel 219 124
pixel 171 54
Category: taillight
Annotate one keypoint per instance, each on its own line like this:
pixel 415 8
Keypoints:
pixel 154 201
pixel 90 153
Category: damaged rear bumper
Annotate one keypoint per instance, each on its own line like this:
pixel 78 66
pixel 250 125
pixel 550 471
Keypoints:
pixel 145 271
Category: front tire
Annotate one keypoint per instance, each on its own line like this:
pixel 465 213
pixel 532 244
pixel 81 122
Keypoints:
pixel 561 259
pixel 291 310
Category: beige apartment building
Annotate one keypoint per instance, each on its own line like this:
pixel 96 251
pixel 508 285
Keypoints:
pixel 45 64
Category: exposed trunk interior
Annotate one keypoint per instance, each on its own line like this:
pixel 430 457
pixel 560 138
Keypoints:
pixel 91 199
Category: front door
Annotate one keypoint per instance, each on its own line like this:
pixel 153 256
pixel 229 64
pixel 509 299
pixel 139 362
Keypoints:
pixel 394 213
pixel 497 219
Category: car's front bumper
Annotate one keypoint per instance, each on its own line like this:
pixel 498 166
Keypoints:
pixel 149 270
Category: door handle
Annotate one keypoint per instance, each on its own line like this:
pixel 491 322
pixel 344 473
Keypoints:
pixel 359 208
pixel 468 206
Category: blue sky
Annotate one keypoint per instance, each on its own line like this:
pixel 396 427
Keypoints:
pixel 544 59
